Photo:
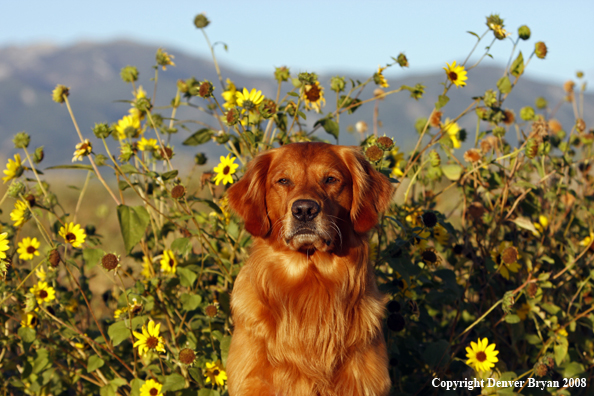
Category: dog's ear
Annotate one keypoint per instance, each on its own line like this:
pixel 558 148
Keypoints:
pixel 372 191
pixel 247 197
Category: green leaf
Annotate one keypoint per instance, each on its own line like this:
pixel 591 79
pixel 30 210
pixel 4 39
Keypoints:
pixel 27 334
pixel 441 102
pixel 330 126
pixel 511 318
pixel 452 172
pixel 199 137
pixel 73 166
pixel 572 369
pixel 92 257
pixel 524 223
pixel 517 67
pixel 173 382
pixel 181 246
pixel 186 276
pixel 225 344
pixel 190 301
pixel 208 392
pixel 560 350
pixel 474 34
pixel 504 85
pixel 118 332
pixel 94 363
pixel 128 168
pixel 133 222
pixel 550 308
pixel 135 386
pixel 41 361
pixel 169 175
pixel 123 185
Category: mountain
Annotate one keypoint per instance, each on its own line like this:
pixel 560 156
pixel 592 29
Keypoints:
pixel 91 70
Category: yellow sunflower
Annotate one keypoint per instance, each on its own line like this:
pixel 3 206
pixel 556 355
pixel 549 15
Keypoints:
pixel 20 213
pixel 587 241
pixel 451 129
pixel 249 100
pixel 456 74
pixel 73 234
pixel 149 340
pixel 151 388
pixel 43 292
pixel 225 169
pixel 379 78
pixel 147 144
pixel 215 373
pixel 543 223
pixel 128 126
pixel 481 356
pixel 82 150
pixel 440 234
pixel 164 59
pixel 13 168
pixel 3 244
pixel 28 248
pixel 28 319
pixel 230 95
pixel 523 311
pixel 168 262
pixel 40 273
pixel 398 158
pixel 313 96
pixel 147 268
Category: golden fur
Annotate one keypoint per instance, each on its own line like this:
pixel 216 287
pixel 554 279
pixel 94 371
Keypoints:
pixel 306 308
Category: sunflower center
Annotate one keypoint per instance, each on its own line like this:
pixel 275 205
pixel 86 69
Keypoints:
pixel 171 262
pixel 152 342
pixel 226 170
pixel 453 76
pixel 216 372
pixel 43 294
pixel 313 94
pixel 481 356
pixel 154 392
pixel 248 104
pixel 31 249
pixel 70 237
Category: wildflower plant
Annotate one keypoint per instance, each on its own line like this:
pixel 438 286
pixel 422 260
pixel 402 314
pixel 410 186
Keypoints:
pixel 492 241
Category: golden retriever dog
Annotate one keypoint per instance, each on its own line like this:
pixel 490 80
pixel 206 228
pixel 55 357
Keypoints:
pixel 306 307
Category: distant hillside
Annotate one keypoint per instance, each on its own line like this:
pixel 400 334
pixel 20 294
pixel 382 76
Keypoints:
pixel 91 70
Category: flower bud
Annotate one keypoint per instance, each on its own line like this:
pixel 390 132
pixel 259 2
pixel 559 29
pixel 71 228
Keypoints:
pixel 221 137
pixel 579 74
pixel 531 148
pixel 402 61
pixel 282 74
pixel 200 159
pixel 540 49
pixel 54 258
pixel 129 74
pixel 434 158
pixel 524 32
pixel 307 78
pixel 21 140
pixel 499 131
pixel 60 93
pixel 201 21
pixel 541 103
pixel 15 189
pixel 527 113
pixel 580 125
pixel 267 108
pixel 337 84
pixel 490 98
pixel 38 155
pixel 102 130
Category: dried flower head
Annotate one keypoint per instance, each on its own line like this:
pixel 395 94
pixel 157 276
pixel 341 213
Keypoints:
pixel 540 49
pixel 385 143
pixel 374 153
pixel 435 119
pixel 178 191
pixel 429 219
pixel 473 155
pixel 201 21
pixel 187 356
pixel 402 60
pixel 110 261
pixel 211 311
pixel 509 255
pixel 361 127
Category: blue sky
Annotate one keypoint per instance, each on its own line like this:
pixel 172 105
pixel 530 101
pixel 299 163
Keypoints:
pixel 321 36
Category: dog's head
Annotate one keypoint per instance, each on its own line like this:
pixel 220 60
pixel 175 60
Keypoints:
pixel 308 195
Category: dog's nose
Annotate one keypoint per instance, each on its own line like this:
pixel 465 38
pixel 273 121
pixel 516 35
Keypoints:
pixel 305 209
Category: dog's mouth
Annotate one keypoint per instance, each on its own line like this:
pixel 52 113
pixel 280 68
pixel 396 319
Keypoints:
pixel 307 238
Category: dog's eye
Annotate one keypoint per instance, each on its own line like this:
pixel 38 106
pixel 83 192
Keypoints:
pixel 331 180
pixel 283 181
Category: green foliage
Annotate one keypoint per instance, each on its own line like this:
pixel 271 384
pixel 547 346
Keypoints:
pixel 490 241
